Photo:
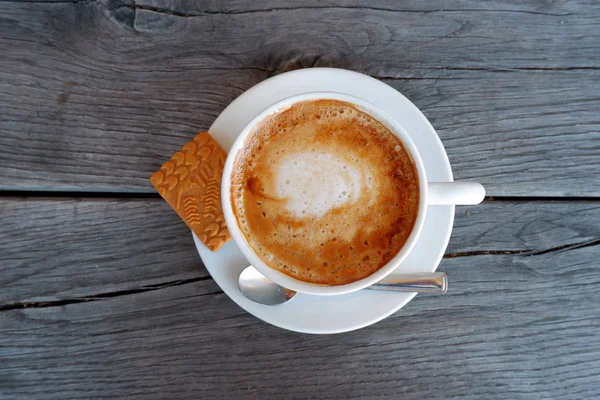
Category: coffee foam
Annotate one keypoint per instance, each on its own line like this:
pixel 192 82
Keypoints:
pixel 324 192
pixel 314 183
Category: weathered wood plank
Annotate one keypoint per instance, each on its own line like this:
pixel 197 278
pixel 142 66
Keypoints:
pixel 514 132
pixel 534 7
pixel 57 250
pixel 529 227
pixel 53 250
pixel 511 327
pixel 95 95
pixel 416 36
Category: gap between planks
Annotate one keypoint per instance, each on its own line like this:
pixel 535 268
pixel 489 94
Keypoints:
pixel 101 296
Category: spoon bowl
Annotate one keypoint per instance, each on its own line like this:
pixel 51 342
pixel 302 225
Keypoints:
pixel 261 289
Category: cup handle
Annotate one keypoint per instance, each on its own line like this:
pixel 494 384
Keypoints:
pixel 455 193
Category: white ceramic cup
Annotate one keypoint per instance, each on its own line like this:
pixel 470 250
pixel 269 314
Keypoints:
pixel 431 193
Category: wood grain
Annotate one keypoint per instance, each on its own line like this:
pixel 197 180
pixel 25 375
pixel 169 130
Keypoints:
pixel 107 297
pixel 70 249
pixel 520 320
pixel 512 326
pixel 96 95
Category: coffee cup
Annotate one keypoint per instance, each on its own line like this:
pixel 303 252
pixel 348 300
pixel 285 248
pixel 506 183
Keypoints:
pixel 430 194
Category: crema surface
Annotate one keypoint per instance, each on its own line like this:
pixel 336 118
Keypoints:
pixel 325 193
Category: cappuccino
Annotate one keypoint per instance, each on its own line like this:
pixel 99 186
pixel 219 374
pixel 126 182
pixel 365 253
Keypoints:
pixel 324 192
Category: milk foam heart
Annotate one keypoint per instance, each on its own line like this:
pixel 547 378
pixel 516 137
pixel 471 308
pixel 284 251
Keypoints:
pixel 323 192
pixel 314 183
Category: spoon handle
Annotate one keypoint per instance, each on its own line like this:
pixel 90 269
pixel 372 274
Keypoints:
pixel 436 282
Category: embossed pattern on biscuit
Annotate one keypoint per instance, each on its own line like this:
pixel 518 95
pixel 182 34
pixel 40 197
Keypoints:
pixel 190 182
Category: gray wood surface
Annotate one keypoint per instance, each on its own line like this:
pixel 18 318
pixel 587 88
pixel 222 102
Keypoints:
pixel 520 320
pixel 74 248
pixel 102 293
pixel 95 95
pixel 80 248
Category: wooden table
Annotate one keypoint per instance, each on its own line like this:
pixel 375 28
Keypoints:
pixel 103 294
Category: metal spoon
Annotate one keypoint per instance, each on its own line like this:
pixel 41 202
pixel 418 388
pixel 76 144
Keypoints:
pixel 261 289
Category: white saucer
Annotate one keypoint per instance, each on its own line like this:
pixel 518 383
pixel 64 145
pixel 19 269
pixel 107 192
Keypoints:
pixel 334 314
